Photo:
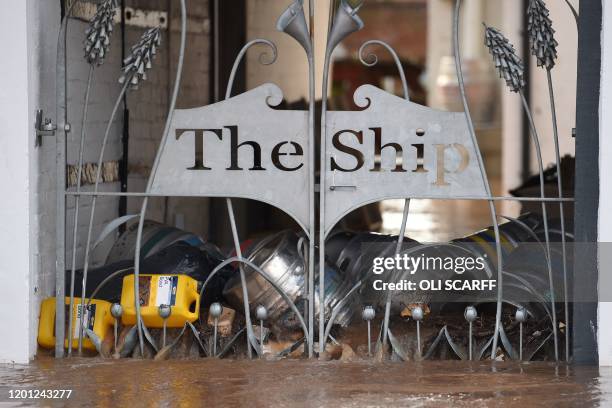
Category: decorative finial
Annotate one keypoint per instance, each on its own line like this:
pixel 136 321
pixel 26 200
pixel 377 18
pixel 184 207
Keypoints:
pixel 368 313
pixel 261 312
pixel 508 64
pixel 346 21
pixel 141 57
pixel 97 35
pixel 541 34
pixel 470 313
pixel 164 311
pixel 417 313
pixel 116 310
pixel 215 310
pixel 520 315
pixel 293 22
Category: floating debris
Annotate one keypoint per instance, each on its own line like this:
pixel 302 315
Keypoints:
pixel 278 256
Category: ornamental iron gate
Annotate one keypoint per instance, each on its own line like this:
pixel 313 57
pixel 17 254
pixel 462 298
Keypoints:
pixel 233 148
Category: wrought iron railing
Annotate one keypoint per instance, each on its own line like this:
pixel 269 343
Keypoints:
pixel 293 22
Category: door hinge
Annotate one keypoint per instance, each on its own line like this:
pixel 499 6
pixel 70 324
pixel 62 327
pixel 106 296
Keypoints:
pixel 44 127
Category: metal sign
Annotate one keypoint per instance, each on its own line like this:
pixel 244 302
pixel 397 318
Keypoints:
pixel 240 147
pixel 395 148
pixel 392 149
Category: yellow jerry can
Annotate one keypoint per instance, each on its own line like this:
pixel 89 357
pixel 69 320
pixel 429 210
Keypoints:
pixel 97 318
pixel 178 291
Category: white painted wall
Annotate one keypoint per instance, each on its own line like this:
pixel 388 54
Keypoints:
pixel 15 146
pixel 27 176
pixel 604 316
pixel 29 31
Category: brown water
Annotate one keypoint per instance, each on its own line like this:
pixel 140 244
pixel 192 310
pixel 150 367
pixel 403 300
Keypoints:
pixel 211 383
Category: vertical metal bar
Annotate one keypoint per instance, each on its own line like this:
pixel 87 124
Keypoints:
pixel 60 243
pixel 345 28
pixel 398 247
pixel 418 339
pixel 521 341
pixel 261 338
pixel 561 209
pixel 228 201
pixel 124 164
pixel 93 207
pixel 216 73
pixel 311 214
pixel 115 327
pixel 311 13
pixel 536 142
pixel 402 233
pixel 311 180
pixel 245 293
pixel 145 202
pixel 165 217
pixel 61 89
pixel 485 179
pixel 524 135
pixel 470 340
pixel 369 338
pixel 400 238
pixel 322 172
pixel 125 139
pixel 330 19
pixel 216 323
pixel 76 205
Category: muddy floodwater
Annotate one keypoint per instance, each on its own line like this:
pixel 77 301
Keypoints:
pixel 211 383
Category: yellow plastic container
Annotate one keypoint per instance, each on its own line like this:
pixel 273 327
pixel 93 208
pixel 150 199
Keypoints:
pixel 97 318
pixel 178 291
